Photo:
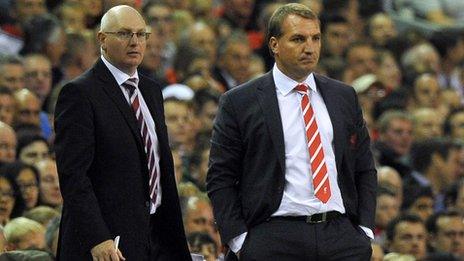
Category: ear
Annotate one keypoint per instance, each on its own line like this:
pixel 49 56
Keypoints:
pixel 102 40
pixel 274 45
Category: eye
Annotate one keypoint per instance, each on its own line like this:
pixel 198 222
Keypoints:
pixel 124 34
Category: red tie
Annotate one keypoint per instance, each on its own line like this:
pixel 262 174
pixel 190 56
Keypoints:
pixel 131 86
pixel 316 152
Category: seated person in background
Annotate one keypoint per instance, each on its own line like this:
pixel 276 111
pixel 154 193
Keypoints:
pixel 446 231
pixel 201 243
pixel 50 194
pixel 23 233
pixel 407 235
pixel 42 214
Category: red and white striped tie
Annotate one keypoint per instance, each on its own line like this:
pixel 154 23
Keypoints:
pixel 131 86
pixel 316 152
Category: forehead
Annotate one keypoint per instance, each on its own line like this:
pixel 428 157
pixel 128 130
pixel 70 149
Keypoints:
pixel 128 20
pixel 407 227
pixel 453 222
pixel 295 24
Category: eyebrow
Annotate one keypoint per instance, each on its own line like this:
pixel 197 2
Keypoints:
pixel 130 29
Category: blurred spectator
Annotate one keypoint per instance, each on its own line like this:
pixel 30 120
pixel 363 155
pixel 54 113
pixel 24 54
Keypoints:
pixel 201 243
pixel 238 14
pixel 446 231
pixel 11 201
pixel 42 214
pixel 435 162
pixel 360 60
pixel 28 108
pixel 12 72
pixel 387 209
pixel 428 124
pixel 7 105
pixel 390 178
pixel 152 64
pixel 454 124
pixel 51 234
pixel 26 9
pixel 419 59
pixel 205 104
pixel 388 72
pixel 395 140
pixel 27 179
pixel 370 92
pixel 233 66
pixel 381 29
pixel 72 15
pixel 407 235
pixel 420 203
pixel 50 194
pixel 32 148
pixel 22 233
pixel 38 71
pixel 7 143
pixel 442 12
pixel 426 92
pixel 45 34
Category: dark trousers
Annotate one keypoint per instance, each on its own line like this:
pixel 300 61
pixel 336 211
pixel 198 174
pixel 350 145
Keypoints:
pixel 292 240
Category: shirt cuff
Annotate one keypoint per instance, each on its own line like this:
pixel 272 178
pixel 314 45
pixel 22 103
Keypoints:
pixel 368 232
pixel 236 243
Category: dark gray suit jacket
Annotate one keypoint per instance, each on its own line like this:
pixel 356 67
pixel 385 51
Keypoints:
pixel 246 176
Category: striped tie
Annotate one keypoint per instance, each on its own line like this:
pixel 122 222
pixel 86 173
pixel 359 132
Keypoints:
pixel 131 86
pixel 316 152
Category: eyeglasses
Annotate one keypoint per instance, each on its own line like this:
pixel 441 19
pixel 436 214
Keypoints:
pixel 126 35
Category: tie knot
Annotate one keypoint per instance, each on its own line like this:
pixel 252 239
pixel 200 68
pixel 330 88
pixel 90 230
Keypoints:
pixel 130 85
pixel 302 88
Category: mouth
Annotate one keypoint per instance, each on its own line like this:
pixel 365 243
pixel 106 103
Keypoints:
pixel 133 53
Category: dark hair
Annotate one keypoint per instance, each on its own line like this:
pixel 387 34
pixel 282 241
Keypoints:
pixel 444 41
pixel 38 31
pixel 447 128
pixel 381 190
pixel 5 91
pixel 451 194
pixel 26 140
pixel 414 193
pixel 431 223
pixel 204 96
pixel 391 227
pixel 422 152
pixel 13 169
pixel 328 19
pixel 274 28
pixel 20 204
pixel 198 239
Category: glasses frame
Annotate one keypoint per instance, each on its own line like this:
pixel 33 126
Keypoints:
pixel 124 35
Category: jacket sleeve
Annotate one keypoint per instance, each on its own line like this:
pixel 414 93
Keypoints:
pixel 75 149
pixel 225 168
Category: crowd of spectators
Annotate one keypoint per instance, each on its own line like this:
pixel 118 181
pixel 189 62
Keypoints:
pixel 410 85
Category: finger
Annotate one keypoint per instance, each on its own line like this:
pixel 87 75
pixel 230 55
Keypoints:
pixel 120 255
pixel 114 256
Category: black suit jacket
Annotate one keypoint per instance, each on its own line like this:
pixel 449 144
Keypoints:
pixel 246 177
pixel 103 171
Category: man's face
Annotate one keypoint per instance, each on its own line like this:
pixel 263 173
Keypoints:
pixel 410 238
pixel 7 108
pixel 422 207
pixel 49 186
pixel 361 60
pixel 450 235
pixel 427 92
pixel 28 110
pixel 239 8
pixel 28 8
pixel 448 167
pixel 207 115
pixel 457 125
pixel 428 125
pixel 204 38
pixel 34 152
pixel 382 29
pixel 179 121
pixel 12 76
pixel 399 136
pixel 153 55
pixel 236 61
pixel 387 209
pixel 337 38
pixel 297 50
pixel 125 54
pixel 7 145
pixel 160 18
pixel 200 219
pixel 27 183
pixel 38 71
pixel 7 200
pixel 34 240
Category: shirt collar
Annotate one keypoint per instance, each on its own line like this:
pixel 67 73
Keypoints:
pixel 285 84
pixel 119 75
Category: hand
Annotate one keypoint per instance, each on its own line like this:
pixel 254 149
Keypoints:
pixel 238 255
pixel 105 251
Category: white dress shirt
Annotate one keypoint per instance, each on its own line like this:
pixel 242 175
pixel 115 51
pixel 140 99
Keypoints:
pixel 121 77
pixel 298 198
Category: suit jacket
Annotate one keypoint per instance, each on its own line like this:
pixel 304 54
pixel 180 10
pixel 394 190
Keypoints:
pixel 103 171
pixel 246 177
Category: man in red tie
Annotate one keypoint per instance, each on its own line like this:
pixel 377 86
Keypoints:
pixel 291 173
pixel 114 163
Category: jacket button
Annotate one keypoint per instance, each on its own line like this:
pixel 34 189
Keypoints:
pixel 147 204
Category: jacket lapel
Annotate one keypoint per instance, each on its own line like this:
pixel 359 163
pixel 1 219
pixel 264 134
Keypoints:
pixel 111 88
pixel 331 102
pixel 267 99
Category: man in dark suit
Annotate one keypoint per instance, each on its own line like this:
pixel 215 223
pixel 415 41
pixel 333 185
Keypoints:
pixel 291 174
pixel 114 161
